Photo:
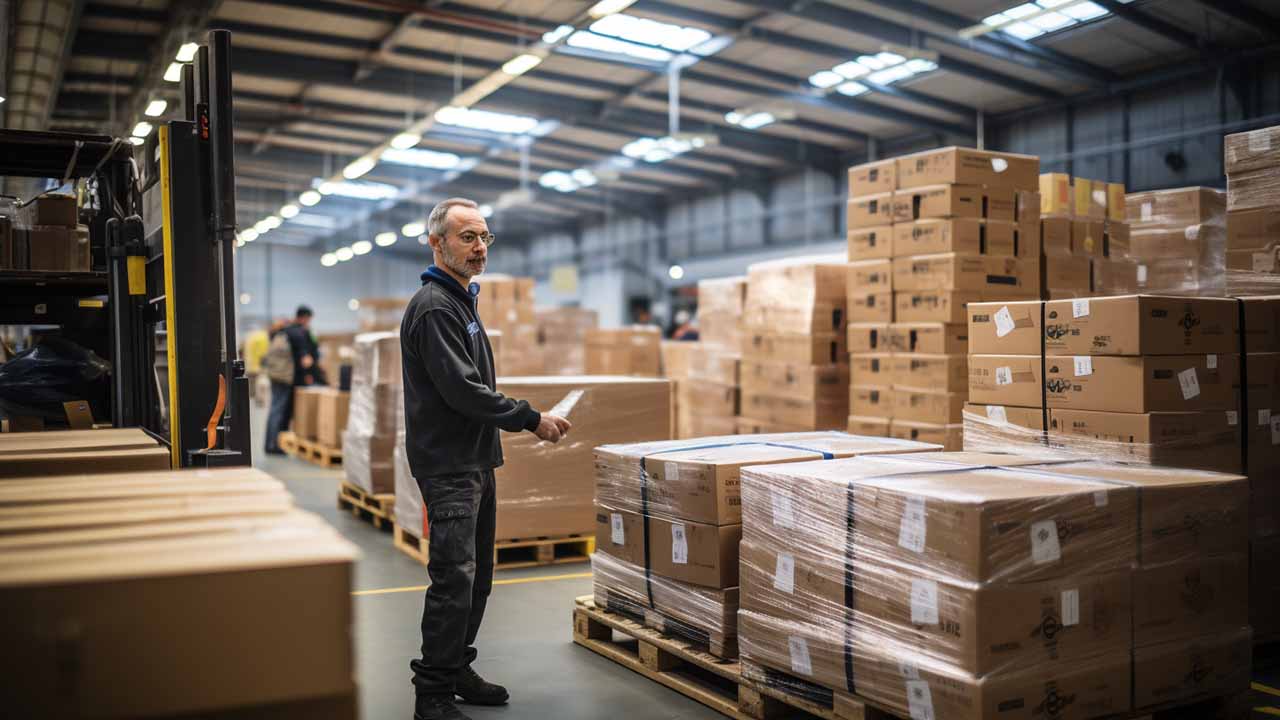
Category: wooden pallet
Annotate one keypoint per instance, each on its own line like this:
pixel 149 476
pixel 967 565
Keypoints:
pixel 747 691
pixel 378 509
pixel 309 450
pixel 712 640
pixel 512 554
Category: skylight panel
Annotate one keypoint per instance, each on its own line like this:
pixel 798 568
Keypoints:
pixel 883 68
pixel 419 157
pixel 359 190
pixel 495 122
pixel 614 46
pixel 650 32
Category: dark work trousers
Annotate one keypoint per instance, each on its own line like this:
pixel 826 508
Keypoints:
pixel 461 521
pixel 280 415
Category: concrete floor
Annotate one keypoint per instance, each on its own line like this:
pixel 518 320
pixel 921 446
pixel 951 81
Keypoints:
pixel 526 641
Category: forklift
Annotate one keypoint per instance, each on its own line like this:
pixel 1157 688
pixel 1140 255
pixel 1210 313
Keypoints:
pixel 159 299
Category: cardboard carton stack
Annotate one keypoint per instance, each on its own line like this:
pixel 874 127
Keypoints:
pixel 64 452
pixel 721 305
pixel 634 350
pixel 668 522
pixel 335 354
pixel 945 586
pixel 795 372
pixel 1252 163
pixel 91 561
pixel 706 373
pixel 1179 240
pixel 561 338
pixel 506 304
pixel 1085 238
pixel 381 314
pixel 45 234
pixel 370 435
pixel 545 490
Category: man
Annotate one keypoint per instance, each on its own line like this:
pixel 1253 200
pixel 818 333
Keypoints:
pixel 452 417
pixel 290 362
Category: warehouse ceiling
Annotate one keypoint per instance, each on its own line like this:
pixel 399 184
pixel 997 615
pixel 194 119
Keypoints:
pixel 354 117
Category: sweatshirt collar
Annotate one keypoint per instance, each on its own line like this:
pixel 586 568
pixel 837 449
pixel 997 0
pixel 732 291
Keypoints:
pixel 433 273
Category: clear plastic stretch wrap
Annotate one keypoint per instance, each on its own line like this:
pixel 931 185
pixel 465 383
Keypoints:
pixel 952 584
pixel 376 404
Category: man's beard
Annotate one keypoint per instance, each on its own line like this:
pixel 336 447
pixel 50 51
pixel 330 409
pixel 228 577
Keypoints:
pixel 464 266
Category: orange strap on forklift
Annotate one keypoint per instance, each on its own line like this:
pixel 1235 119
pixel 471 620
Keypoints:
pixel 218 407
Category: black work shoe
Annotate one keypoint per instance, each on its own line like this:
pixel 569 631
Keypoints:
pixel 473 689
pixel 437 707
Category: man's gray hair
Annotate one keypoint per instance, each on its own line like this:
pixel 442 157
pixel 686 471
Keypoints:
pixel 438 220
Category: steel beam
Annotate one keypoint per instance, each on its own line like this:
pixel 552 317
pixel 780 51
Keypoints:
pixel 1151 23
pixel 1248 15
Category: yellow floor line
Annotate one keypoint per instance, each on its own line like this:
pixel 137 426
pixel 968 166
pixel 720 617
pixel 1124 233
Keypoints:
pixel 1268 711
pixel 1265 689
pixel 509 581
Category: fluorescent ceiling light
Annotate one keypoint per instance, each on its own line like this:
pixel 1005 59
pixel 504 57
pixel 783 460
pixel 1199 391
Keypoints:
pixel 155 108
pixel 850 70
pixel 173 73
pixel 521 64
pixel 245 298
pixel 353 304
pixel 1033 19
pixel 413 229
pixel 262 227
pixel 608 7
pixel 405 140
pixel 495 122
pixel 1 99
pixel 656 150
pixel 883 68
pixel 272 222
pixel 386 238
pixel 309 198
pixel 328 259
pixel 343 254
pixel 852 89
pixel 358 167
pixel 485 211
pixel 248 235
pixel 1022 31
pixel 1023 10
pixel 825 79
pixel 757 120
pixel 675 272
pixel 136 140
pixel 360 190
pixel 142 129
pixel 362 247
pixel 289 211
pixel 1085 11
pixel 552 37
pixel 187 52
pixel 419 157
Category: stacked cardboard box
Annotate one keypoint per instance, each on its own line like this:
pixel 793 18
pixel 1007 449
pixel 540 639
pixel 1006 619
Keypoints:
pixel 675 367
pixel 668 522
pixel 381 314
pixel 1261 345
pixel 546 490
pixel 91 561
pixel 62 452
pixel 45 234
pixel 634 350
pixel 1252 163
pixel 1084 238
pixel 561 338
pixel 506 304
pixel 370 436
pixel 795 373
pixel 306 411
pixel 721 305
pixel 335 354
pixel 1178 239
pixel 950 588
pixel 709 400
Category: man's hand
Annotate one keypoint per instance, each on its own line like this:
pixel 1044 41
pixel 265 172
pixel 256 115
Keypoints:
pixel 551 428
pixel 308 361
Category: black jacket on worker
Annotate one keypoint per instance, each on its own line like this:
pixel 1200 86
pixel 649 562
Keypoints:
pixel 452 410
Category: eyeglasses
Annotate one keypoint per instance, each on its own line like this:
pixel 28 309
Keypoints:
pixel 470 238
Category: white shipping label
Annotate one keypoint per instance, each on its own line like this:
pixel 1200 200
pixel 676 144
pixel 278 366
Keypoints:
pixel 1211 362
pixel 1275 430
pixel 911 533
pixel 1083 365
pixel 1146 211
pixel 1044 542
pixel 801 664
pixel 784 514
pixel 1004 375
pixel 672 471
pixel 996 413
pixel 784 575
pixel 1190 384
pixel 1232 418
pixel 919 700
pixel 907 669
pixel 1142 273
pixel 1264 262
pixel 1260 141
pixel 1100 498
pixel 679 545
pixel 999 164
pixel 617 533
pixel 1080 308
pixel 1070 607
pixel 1004 322
pixel 924 602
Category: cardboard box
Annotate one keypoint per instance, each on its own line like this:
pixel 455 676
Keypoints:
pixel 1116 277
pixel 1183 600
pixel 791 582
pixel 872 368
pixel 1006 380
pixel 1003 524
pixel 868 426
pixel 955 271
pixel 331 416
pixel 806 382
pixel 368 460
pixel 1087 237
pixel 58 248
pixel 1209 440
pixel 1194 242
pixel 1253 230
pixel 1118 239
pixel 869 337
pixel 1005 328
pixel 1176 208
pixel 1261 326
pixel 1116 205
pixel 972 236
pixel 1141 384
pixel 939 201
pixel 818 349
pixel 823 316
pixel 620 534
pixel 871 307
pixel 52 209
pixel 1015 206
pixel 813 651
pixel 1067 275
pixel 870 276
pixel 966 166
pixel 1184 672
pixel 824 413
pixel 634 350
pixel 944 306
pixel 375 359
pixel 1252 150
pixel 950 437
pixel 71 461
pixel 937 338
pixel 870 210
pixel 753 426
pixel 306 406
pixel 928 406
pixel 12 443
pixel 696 553
pixel 1090 199
pixel 714 364
pixel 873 177
pixel 871 401
pixel 925 371
pixel 1141 325
pixel 1056 197
pixel 1055 235
pixel 870 243
pixel 1253 189
pixel 708 399
pixel 1000 428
